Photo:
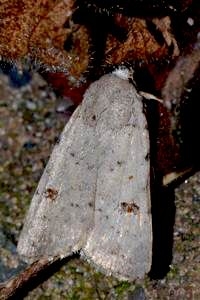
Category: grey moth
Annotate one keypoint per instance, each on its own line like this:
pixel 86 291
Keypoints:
pixel 94 194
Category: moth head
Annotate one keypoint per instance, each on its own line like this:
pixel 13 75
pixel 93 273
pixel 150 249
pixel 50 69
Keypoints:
pixel 123 73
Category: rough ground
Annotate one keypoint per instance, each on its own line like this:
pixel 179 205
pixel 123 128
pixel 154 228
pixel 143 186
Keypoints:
pixel 29 127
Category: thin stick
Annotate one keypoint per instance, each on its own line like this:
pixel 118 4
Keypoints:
pixel 11 287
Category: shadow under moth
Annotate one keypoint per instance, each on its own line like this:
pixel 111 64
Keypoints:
pixel 94 195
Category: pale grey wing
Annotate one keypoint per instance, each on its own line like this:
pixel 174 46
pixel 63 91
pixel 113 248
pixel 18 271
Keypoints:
pixel 62 209
pixel 121 241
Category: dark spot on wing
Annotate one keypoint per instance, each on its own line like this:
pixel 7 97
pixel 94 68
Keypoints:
pixel 72 154
pixel 147 157
pixel 130 207
pixel 119 162
pixel 57 140
pixel 33 244
pixel 90 167
pixel 130 177
pixel 115 251
pixel 51 194
pixel 90 204
pixel 130 134
pixel 74 204
pixel 94 117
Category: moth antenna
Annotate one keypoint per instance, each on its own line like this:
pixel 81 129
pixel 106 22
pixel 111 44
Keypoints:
pixel 149 96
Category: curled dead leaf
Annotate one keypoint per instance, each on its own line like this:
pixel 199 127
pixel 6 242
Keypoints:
pixel 36 30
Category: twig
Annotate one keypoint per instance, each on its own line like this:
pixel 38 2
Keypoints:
pixel 13 286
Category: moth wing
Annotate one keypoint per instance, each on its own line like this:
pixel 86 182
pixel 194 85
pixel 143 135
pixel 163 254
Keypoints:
pixel 61 211
pixel 121 240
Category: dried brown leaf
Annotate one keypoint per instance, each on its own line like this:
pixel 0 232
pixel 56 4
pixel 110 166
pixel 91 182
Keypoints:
pixel 140 44
pixel 36 29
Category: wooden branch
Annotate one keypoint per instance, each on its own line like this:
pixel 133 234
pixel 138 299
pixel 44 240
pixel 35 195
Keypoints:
pixel 13 286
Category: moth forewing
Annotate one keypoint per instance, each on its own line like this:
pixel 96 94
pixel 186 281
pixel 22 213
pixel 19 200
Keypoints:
pixel 61 211
pixel 121 240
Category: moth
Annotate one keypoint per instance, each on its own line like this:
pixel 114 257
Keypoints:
pixel 94 195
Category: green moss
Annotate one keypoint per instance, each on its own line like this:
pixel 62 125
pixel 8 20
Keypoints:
pixel 174 271
pixel 122 287
pixel 73 296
